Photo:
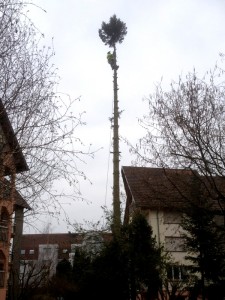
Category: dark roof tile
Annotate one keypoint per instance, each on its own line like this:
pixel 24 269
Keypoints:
pixel 169 188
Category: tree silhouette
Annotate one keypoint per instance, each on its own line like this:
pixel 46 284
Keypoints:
pixel 204 243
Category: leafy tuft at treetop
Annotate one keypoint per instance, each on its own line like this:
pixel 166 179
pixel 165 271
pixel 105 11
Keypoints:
pixel 113 32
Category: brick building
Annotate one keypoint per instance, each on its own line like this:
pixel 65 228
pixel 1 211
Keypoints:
pixel 12 162
pixel 40 251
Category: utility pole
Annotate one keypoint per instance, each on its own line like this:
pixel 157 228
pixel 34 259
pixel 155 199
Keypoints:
pixel 112 33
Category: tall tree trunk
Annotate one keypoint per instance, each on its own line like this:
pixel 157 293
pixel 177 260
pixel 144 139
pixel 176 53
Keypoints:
pixel 116 181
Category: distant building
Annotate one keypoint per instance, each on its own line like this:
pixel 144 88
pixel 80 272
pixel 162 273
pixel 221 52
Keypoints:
pixel 46 250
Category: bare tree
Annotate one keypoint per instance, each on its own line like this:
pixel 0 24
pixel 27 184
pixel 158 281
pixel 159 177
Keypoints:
pixel 43 119
pixel 185 129
pixel 34 275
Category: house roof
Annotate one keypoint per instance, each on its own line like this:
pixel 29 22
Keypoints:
pixel 21 202
pixel 158 188
pixel 5 123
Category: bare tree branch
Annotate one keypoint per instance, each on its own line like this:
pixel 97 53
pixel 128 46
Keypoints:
pixel 45 122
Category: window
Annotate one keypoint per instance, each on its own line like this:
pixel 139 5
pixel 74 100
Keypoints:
pixel 22 252
pixel 175 244
pixel 219 219
pixel 31 251
pixel 30 263
pixel 27 263
pixel 2 274
pixel 176 272
pixel 4 219
pixel 172 217
pixel 47 251
pixel 3 232
pixel 71 258
pixel 74 247
pixel 2 269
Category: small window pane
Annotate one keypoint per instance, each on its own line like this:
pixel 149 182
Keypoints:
pixel 47 251
pixel 170 272
pixel 3 232
pixel 172 217
pixel 2 275
pixel 2 278
pixel 175 244
pixel 176 270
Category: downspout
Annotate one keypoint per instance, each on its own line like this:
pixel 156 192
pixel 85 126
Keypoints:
pixel 158 231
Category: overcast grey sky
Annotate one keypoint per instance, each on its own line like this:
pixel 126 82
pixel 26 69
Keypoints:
pixel 165 38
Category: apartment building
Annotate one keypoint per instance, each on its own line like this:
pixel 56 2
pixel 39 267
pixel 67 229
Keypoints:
pixel 162 195
pixel 40 251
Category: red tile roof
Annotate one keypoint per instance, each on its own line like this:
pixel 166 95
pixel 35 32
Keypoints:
pixel 160 188
pixel 21 202
pixel 21 164
pixel 157 187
